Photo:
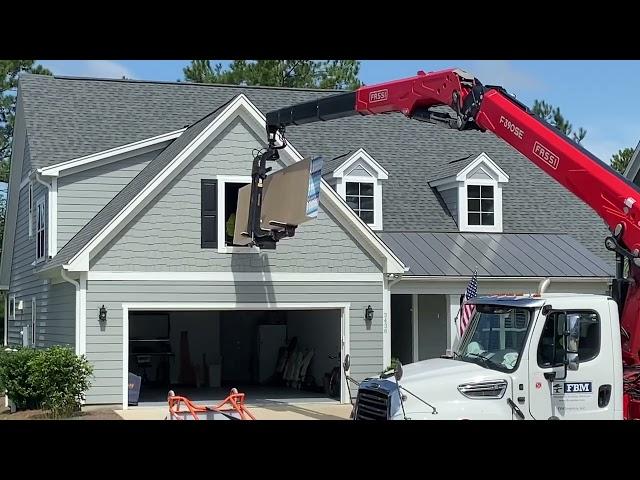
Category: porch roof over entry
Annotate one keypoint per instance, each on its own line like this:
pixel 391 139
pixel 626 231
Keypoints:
pixel 494 255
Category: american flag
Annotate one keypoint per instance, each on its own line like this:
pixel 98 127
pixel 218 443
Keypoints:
pixel 467 310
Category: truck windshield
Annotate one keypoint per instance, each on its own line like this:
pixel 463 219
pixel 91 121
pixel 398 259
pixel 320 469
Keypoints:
pixel 495 337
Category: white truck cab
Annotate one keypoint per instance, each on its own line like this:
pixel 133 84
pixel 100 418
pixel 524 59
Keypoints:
pixel 550 356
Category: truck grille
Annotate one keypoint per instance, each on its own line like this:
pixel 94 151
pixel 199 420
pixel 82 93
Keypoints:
pixel 372 405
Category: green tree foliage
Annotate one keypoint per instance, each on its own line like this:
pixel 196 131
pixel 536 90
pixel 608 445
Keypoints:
pixel 332 74
pixel 9 71
pixel 553 116
pixel 620 160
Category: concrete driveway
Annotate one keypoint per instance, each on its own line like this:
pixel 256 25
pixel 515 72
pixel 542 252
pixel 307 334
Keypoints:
pixel 276 411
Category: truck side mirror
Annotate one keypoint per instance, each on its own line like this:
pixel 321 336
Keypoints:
pixel 347 363
pixel 572 333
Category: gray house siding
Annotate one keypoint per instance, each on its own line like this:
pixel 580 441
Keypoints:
pixel 24 284
pixel 166 234
pixel 81 195
pixel 105 343
pixel 359 171
pixel 58 327
pixel 26 164
pixel 13 192
pixel 450 198
pixel 55 304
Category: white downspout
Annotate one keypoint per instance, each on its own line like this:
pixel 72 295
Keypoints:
pixel 77 285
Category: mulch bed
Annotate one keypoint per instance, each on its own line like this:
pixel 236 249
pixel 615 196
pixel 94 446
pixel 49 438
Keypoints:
pixel 98 414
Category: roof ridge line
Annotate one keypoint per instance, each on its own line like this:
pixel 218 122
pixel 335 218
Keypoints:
pixel 167 82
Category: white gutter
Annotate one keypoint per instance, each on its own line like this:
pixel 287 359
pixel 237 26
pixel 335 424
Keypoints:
pixel 392 279
pixel 122 151
pixel 442 278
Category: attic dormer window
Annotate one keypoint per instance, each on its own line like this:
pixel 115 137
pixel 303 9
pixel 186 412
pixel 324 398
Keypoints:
pixel 358 180
pixel 471 188
pixel 480 205
pixel 360 198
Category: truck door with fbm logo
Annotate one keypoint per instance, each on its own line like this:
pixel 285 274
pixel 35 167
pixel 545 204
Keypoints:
pixel 585 393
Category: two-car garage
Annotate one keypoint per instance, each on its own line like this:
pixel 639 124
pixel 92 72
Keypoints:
pixel 273 354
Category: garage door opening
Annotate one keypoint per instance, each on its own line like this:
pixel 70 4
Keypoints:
pixel 281 356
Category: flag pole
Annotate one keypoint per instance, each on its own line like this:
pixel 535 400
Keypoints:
pixel 455 324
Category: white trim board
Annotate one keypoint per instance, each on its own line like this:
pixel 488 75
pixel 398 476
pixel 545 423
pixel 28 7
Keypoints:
pixel 483 158
pixel 111 155
pixel 386 323
pixel 5 340
pixel 13 194
pixel 361 153
pixel 191 306
pixel 415 321
pixel 53 218
pixel 376 173
pixel 234 277
pixel 82 319
pixel 415 278
pixel 242 107
pixel 221 207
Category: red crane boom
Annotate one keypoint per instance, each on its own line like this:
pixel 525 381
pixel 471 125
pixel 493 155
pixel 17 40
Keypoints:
pixel 491 108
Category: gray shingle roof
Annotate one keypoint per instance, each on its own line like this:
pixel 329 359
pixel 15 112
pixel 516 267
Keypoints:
pixel 67 118
pixel 495 255
pixel 130 191
pixel 452 167
pixel 72 117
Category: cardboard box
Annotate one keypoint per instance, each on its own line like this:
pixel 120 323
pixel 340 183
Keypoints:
pixel 290 196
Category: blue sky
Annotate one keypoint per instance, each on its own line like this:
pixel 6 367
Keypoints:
pixel 601 96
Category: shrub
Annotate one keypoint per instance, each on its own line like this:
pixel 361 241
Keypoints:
pixel 16 378
pixel 60 378
pixel 54 379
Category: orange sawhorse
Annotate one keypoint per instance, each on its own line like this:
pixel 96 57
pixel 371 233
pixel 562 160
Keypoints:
pixel 235 410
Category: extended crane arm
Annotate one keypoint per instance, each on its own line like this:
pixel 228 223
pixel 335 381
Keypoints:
pixel 476 106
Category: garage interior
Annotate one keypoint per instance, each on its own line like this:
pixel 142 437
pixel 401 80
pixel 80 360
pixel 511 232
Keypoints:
pixel 278 356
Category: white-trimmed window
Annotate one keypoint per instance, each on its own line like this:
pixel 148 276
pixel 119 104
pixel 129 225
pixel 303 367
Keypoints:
pixel 31 209
pixel 360 198
pixel 481 205
pixel 41 230
pixel 228 189
pixel 12 307
pixel 473 195
pixel 359 182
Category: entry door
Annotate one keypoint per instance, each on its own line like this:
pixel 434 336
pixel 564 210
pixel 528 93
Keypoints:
pixel 586 393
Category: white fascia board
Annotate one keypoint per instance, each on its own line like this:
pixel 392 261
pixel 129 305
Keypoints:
pixel 361 153
pixel 480 159
pixel 110 155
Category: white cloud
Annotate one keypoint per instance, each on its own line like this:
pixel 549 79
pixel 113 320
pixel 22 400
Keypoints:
pixel 107 69
pixel 88 68
pixel 505 74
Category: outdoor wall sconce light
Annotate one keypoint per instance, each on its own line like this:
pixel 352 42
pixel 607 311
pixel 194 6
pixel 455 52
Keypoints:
pixel 368 314
pixel 102 316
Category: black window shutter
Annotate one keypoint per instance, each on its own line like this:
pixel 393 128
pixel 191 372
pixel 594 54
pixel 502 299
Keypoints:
pixel 209 213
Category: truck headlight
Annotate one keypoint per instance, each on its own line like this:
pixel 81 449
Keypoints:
pixel 490 390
